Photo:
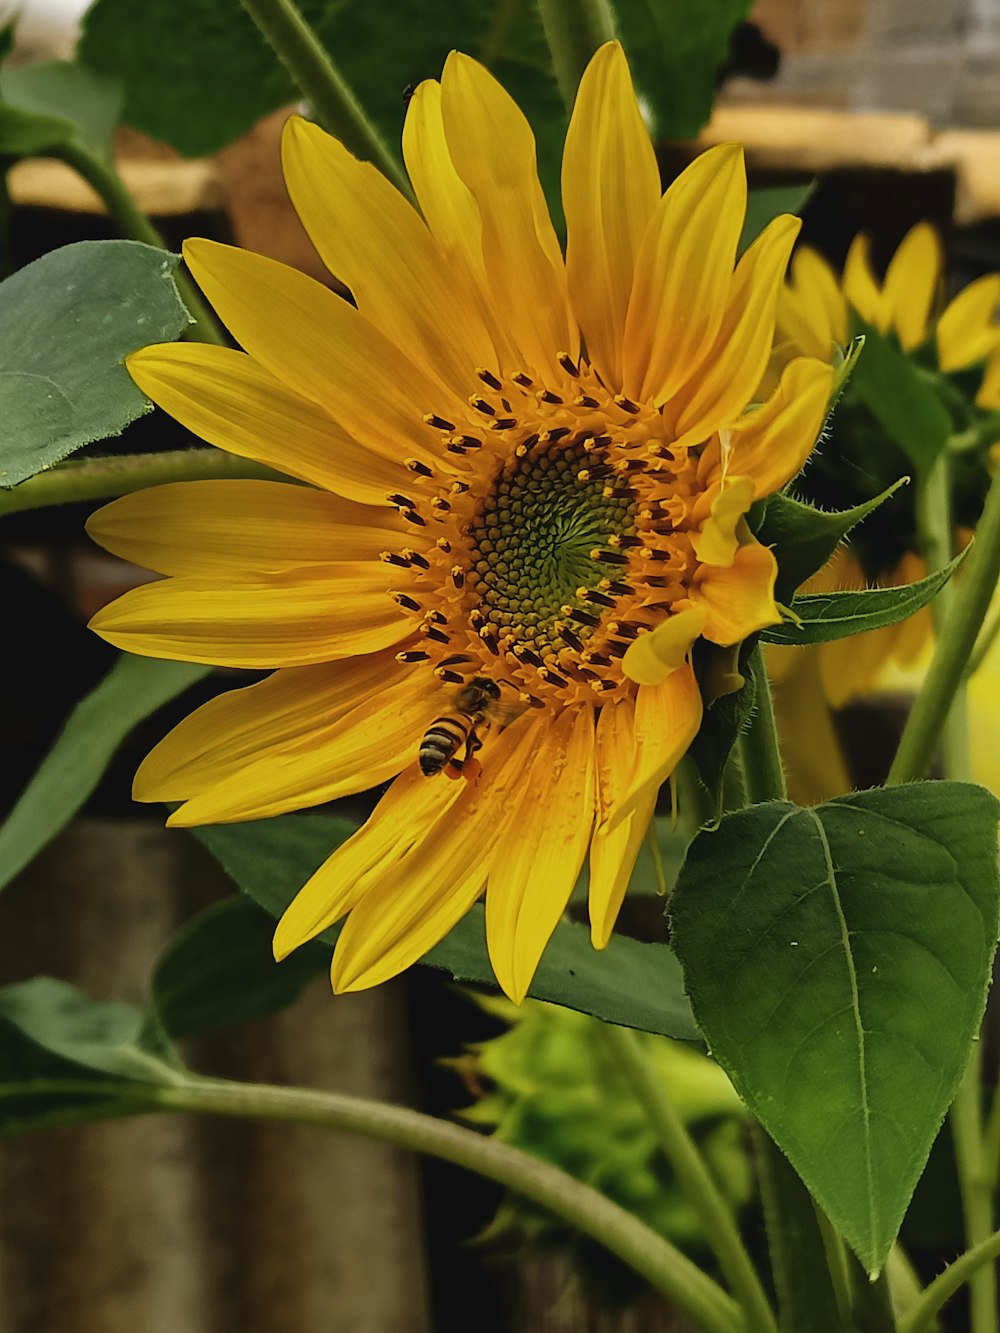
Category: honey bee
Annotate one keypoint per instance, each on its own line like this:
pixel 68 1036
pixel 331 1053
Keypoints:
pixel 475 705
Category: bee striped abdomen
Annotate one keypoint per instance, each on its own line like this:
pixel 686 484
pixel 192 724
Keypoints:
pixel 442 741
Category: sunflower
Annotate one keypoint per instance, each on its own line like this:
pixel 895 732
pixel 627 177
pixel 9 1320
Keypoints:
pixel 525 486
pixel 814 308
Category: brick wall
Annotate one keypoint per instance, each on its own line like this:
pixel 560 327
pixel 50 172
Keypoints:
pixel 940 58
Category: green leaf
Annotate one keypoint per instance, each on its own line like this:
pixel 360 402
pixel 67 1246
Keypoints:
pixel 24 134
pixel 675 51
pixel 66 1058
pixel 821 617
pixel 803 538
pixel 67 322
pixel 837 959
pixel 86 104
pixel 770 201
pixel 198 74
pixel 724 720
pixel 901 400
pixel 218 971
pixel 635 985
pixel 133 689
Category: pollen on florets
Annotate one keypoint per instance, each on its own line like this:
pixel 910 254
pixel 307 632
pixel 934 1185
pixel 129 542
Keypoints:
pixel 554 538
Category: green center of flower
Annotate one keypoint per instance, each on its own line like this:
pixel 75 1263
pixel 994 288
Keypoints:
pixel 533 541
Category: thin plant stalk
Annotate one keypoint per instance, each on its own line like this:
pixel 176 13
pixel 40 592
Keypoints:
pixel 946 1284
pixel 698 1186
pixel 322 85
pixel 664 1267
pixel 133 223
pixel 574 29
pixel 953 647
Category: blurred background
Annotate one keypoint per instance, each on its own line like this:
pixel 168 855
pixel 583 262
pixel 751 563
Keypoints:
pixel 893 106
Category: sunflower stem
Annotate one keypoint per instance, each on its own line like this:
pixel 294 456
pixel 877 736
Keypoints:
pixel 574 29
pixel 323 86
pixel 104 478
pixel 761 755
pixel 953 647
pixel 133 223
pixel 668 1271
pixel 699 1188
pixel 946 1284
pixel 934 523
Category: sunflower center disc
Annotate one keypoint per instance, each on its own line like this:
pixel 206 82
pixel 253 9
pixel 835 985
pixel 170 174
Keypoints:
pixel 532 542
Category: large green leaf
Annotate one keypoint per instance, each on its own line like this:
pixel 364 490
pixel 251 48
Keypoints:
pixel 837 960
pixel 633 984
pixel 65 100
pixel 901 399
pixel 198 74
pixel 134 688
pixel 675 48
pixel 67 322
pixel 804 538
pixel 820 617
pixel 218 971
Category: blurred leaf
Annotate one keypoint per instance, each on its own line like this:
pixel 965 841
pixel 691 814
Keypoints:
pixel 86 104
pixel 676 48
pixel 837 959
pixel 219 971
pixel 803 538
pixel 636 985
pixel 769 202
pixel 66 1058
pixel 133 689
pixel 836 615
pixel 901 399
pixel 25 133
pixel 67 321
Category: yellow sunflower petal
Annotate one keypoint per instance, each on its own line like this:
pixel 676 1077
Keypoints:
pixel 683 274
pixel 911 283
pixel 314 614
pixel 772 443
pixel 823 305
pixel 206 528
pixel 534 871
pixel 738 598
pixel 652 657
pixel 231 402
pixel 969 329
pixel 276 713
pixel 988 396
pixel 861 289
pixel 493 150
pixel 610 189
pixel 374 241
pixel 736 360
pixel 321 347
pixel 613 851
pixel 359 749
pixel 716 543
pixel 407 909
pixel 411 805
pixel 667 718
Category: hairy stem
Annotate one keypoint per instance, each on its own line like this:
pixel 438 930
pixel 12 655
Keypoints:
pixel 944 1286
pixel 322 85
pixel 103 478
